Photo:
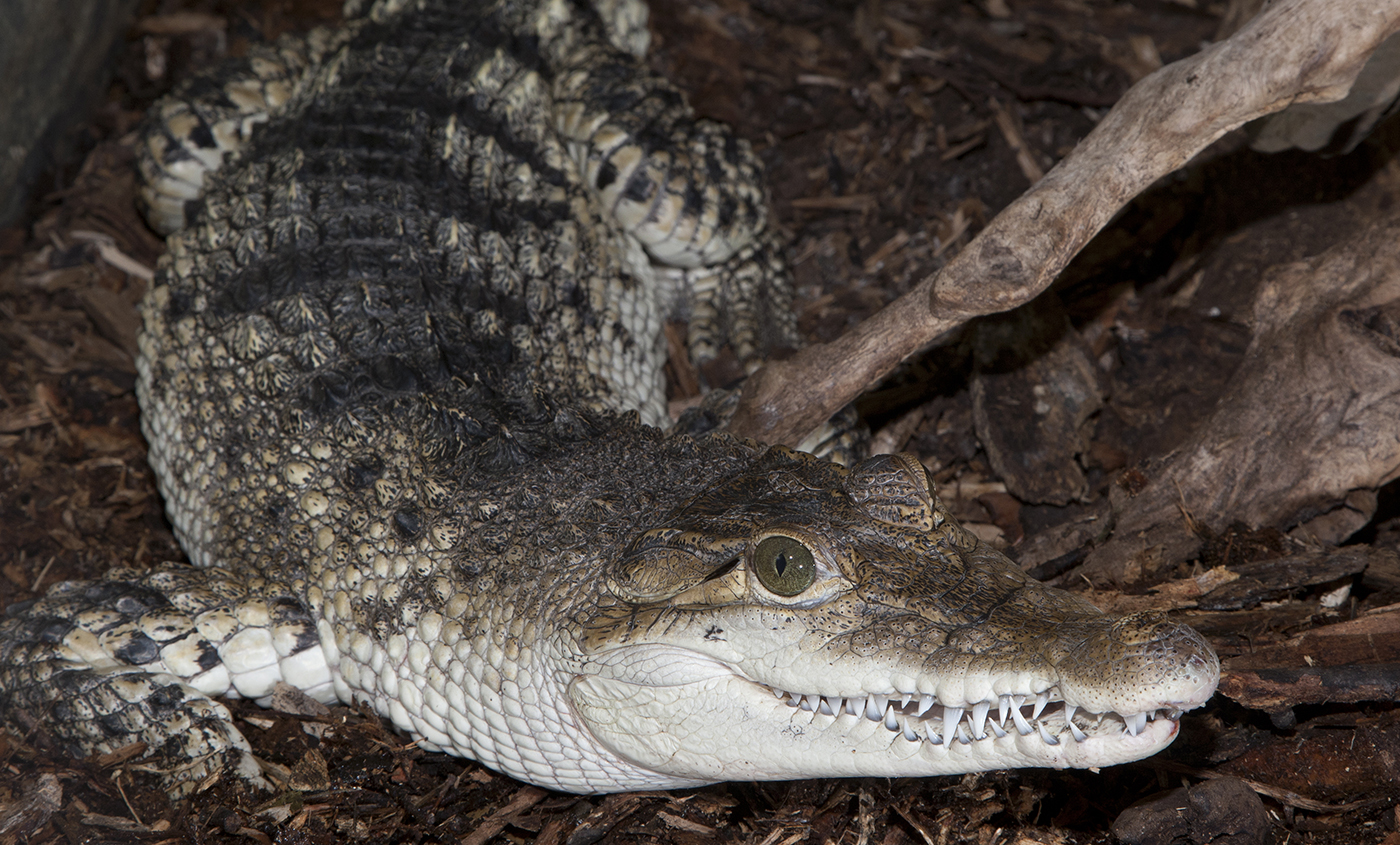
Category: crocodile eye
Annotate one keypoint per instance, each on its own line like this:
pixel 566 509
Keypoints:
pixel 784 565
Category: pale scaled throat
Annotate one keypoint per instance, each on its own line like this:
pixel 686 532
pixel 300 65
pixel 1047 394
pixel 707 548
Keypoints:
pixel 401 376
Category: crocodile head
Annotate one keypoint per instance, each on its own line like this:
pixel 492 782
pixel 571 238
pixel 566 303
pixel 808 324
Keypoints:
pixel 802 620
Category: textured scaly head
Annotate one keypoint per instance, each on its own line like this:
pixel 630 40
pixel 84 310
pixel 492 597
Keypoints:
pixel 803 620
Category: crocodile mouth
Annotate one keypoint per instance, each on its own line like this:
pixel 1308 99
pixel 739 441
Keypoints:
pixel 921 719
pixel 684 717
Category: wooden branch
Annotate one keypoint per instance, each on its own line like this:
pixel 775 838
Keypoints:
pixel 1296 51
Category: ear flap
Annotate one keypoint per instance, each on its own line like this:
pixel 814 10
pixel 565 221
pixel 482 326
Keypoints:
pixel 662 564
pixel 895 489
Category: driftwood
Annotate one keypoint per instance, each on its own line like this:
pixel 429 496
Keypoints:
pixel 1296 51
pixel 1352 661
pixel 1308 420
pixel 1033 390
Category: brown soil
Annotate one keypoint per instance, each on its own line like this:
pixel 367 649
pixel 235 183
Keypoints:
pixel 891 130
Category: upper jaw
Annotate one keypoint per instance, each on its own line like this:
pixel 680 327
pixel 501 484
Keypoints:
pixel 1103 679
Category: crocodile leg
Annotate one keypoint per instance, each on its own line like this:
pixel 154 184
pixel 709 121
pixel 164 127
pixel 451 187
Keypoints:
pixel 190 134
pixel 689 190
pixel 745 302
pixel 136 657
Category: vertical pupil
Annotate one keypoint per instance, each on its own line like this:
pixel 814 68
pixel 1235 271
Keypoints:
pixel 780 563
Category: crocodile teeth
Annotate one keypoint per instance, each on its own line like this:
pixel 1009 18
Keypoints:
pixel 1022 726
pixel 1070 710
pixel 1136 723
pixel 951 717
pixel 910 714
pixel 978 719
pixel 874 709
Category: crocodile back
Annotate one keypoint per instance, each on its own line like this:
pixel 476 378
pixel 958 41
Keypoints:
pixel 408 247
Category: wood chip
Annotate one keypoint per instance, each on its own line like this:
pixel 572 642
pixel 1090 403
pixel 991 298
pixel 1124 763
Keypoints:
pixel 115 318
pixel 1011 130
pixel 289 699
pixel 863 203
pixel 181 23
pixel 25 816
pixel 684 824
pixel 22 417
pixel 527 797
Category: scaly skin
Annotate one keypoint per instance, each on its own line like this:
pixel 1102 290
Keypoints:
pixel 385 375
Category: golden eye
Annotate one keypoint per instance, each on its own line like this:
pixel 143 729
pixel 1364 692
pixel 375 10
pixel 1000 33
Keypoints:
pixel 784 565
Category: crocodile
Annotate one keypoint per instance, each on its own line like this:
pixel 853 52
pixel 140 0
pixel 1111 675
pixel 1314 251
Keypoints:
pixel 401 377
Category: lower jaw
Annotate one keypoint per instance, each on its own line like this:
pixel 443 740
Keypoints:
pixel 788 744
pixel 727 729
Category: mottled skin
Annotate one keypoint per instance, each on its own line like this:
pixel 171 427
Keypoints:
pixel 386 373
